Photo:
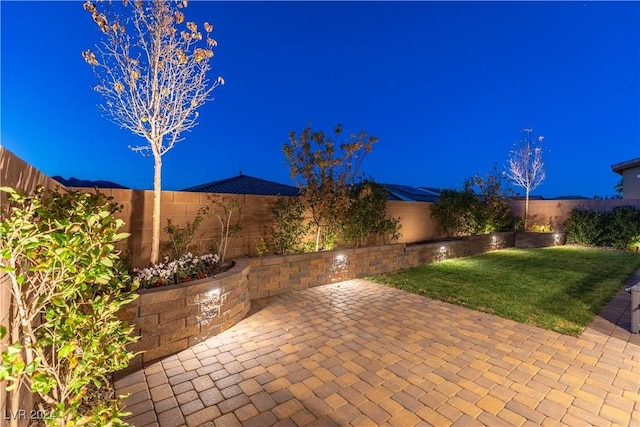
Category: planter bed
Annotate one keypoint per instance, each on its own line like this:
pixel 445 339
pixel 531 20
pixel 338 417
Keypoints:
pixel 172 318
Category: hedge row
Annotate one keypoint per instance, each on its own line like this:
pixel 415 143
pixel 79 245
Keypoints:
pixel 619 228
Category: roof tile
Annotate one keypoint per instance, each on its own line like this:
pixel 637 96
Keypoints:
pixel 245 184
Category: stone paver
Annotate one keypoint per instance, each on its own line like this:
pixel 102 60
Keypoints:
pixel 359 353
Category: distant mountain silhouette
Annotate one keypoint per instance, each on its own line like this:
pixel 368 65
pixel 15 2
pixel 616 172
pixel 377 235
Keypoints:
pixel 75 182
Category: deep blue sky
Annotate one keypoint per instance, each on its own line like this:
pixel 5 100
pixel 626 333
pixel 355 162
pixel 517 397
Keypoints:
pixel 446 87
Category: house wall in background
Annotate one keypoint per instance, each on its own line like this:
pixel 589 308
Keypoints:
pixel 631 183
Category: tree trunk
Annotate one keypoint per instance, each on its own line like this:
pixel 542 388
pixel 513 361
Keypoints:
pixel 317 238
pixel 526 208
pixel 157 193
pixel 19 327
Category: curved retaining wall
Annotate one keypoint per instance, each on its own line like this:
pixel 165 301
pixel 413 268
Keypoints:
pixel 172 318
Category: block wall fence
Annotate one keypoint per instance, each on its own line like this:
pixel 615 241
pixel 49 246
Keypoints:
pixel 556 212
pixel 181 207
pixel 256 219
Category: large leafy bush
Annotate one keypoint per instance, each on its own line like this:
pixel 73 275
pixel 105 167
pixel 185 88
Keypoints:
pixel 585 227
pixel 366 216
pixel 618 228
pixel 289 229
pixel 456 212
pixel 480 207
pixel 67 285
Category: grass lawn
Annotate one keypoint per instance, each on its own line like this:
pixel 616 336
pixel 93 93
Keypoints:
pixel 560 288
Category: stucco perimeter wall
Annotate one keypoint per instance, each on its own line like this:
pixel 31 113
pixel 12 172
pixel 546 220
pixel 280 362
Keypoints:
pixel 18 174
pixel 415 218
pixel 256 219
pixel 181 207
pixel 273 275
pixel 556 212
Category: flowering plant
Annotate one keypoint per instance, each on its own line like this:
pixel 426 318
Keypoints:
pixel 184 269
pixel 541 228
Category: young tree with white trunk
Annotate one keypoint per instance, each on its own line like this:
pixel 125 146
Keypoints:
pixel 152 73
pixel 526 165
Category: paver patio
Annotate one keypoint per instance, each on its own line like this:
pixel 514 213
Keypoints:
pixel 362 354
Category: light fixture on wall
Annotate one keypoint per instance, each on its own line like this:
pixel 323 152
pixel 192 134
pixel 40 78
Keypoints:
pixel 441 253
pixel 338 270
pixel 340 262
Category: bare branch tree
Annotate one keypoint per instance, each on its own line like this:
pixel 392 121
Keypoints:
pixel 323 169
pixel 526 166
pixel 152 73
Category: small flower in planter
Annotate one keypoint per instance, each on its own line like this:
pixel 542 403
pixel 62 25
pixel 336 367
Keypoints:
pixel 184 269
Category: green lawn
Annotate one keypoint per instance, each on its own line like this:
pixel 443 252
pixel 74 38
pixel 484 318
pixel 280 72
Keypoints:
pixel 560 288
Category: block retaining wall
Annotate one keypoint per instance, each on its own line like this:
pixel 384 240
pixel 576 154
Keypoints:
pixel 528 239
pixel 273 275
pixel 173 318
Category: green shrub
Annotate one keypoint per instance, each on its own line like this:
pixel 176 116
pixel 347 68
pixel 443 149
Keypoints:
pixel 180 238
pixel 324 169
pixel 366 215
pixel 541 228
pixel 67 284
pixel 585 227
pixel 618 228
pixel 493 210
pixel 456 212
pixel 466 212
pixel 289 229
pixel 622 227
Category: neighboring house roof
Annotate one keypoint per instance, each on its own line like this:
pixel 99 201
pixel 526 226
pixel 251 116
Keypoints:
pixel 81 183
pixel 412 194
pixel 245 184
pixel 431 190
pixel 619 168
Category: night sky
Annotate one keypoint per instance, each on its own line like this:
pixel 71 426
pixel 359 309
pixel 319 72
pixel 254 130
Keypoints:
pixel 445 86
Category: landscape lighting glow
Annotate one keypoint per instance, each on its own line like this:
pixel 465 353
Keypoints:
pixel 213 294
